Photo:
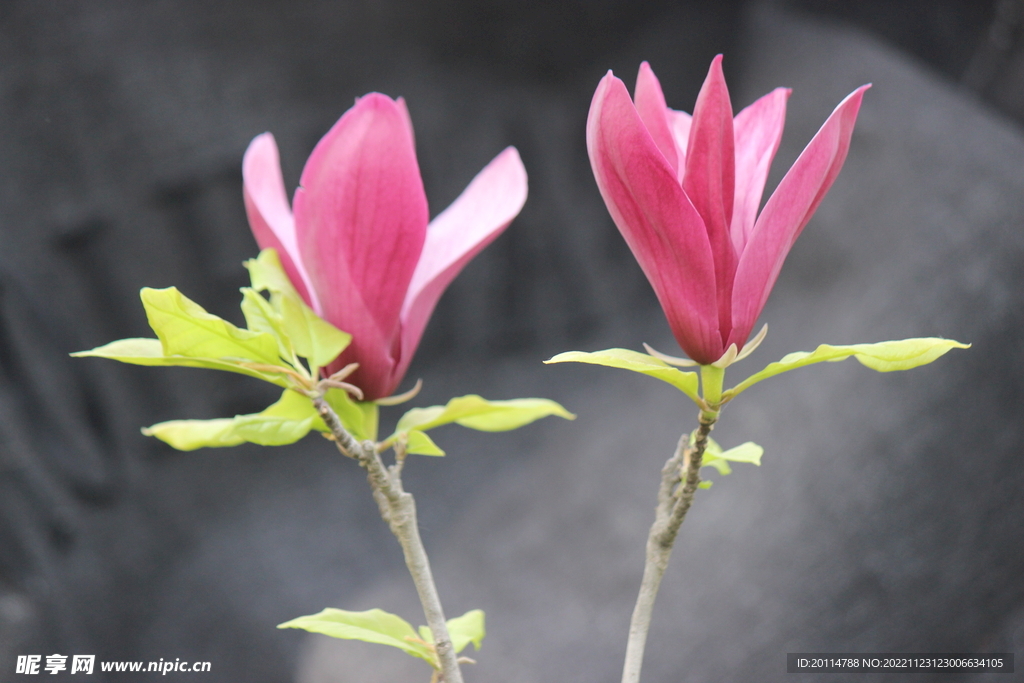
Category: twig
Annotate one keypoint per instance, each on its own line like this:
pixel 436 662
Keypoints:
pixel 398 509
pixel 674 502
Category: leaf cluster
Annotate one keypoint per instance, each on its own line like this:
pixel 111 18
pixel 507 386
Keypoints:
pixel 286 343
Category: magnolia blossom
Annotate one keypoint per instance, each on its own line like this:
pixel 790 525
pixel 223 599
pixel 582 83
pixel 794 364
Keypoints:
pixel 356 242
pixel 684 192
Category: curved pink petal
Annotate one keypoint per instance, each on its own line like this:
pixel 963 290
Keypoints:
pixel 361 218
pixel 758 130
pixel 787 212
pixel 481 213
pixel 709 180
pixel 270 217
pixel 650 105
pixel 660 225
pixel 680 122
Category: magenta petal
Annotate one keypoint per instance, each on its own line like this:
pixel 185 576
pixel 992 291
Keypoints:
pixel 270 217
pixel 650 104
pixel 660 225
pixel 361 218
pixel 758 130
pixel 483 210
pixel 709 180
pixel 787 212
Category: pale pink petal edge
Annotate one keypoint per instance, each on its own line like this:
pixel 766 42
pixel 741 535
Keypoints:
pixel 482 212
pixel 270 217
pixel 787 212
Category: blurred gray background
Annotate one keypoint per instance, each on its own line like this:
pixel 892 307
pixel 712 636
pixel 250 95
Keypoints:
pixel 887 515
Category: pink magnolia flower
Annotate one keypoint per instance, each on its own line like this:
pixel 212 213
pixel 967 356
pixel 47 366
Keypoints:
pixel 358 247
pixel 684 192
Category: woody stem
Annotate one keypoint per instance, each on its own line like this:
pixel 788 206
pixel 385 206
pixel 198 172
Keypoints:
pixel 398 509
pixel 679 479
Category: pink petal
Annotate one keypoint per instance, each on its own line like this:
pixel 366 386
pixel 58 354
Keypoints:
pixel 361 218
pixel 758 130
pixel 650 104
pixel 709 180
pixel 481 213
pixel 680 122
pixel 270 217
pixel 660 225
pixel 787 212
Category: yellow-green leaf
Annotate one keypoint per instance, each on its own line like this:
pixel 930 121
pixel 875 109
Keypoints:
pixel 371 626
pixel 283 422
pixel 475 412
pixel 186 329
pixel 141 351
pixel 887 356
pixel 634 361
pixel 421 444
pixel 714 456
pixel 358 417
pixel 469 628
pixel 188 435
pixel 312 337
pixel 260 316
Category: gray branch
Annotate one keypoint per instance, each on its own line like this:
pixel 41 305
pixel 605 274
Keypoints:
pixel 679 479
pixel 398 509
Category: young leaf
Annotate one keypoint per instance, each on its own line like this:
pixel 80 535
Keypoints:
pixel 421 444
pixel 475 412
pixel 469 628
pixel 371 626
pixel 260 316
pixel 188 435
pixel 186 329
pixel 266 273
pixel 140 351
pixel 359 418
pixel 887 356
pixel 635 361
pixel 714 456
pixel 313 337
pixel 283 422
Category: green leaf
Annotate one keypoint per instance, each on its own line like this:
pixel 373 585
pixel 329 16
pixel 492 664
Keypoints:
pixel 475 412
pixel 267 273
pixel 283 422
pixel 748 452
pixel 359 418
pixel 312 337
pixel 371 626
pixel 714 456
pixel 139 351
pixel 188 435
pixel 260 316
pixel 421 444
pixel 469 628
pixel 887 356
pixel 186 329
pixel 635 361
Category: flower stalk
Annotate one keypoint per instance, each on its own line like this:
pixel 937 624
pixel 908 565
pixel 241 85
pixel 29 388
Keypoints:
pixel 680 478
pixel 398 508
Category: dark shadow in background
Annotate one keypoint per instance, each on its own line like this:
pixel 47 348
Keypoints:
pixel 124 126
